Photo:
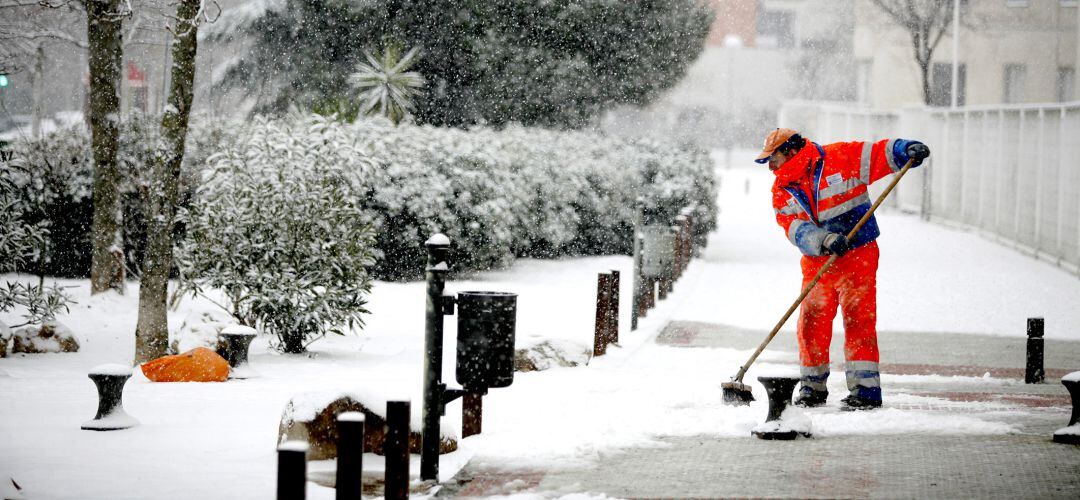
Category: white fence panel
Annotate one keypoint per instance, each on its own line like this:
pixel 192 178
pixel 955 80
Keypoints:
pixel 1011 171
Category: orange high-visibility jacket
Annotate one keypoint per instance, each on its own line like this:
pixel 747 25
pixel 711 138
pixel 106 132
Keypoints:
pixel 823 189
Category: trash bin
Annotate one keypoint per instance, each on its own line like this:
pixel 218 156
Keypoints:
pixel 485 339
pixel 657 252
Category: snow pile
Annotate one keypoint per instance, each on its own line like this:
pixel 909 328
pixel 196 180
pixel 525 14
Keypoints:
pixel 50 337
pixel 113 369
pixel 1072 430
pixel 200 329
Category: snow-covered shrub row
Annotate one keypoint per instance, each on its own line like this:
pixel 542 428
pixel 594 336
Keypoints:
pixel 279 226
pixel 500 194
pixel 53 184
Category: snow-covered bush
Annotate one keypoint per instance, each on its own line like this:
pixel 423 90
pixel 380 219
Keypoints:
pixel 20 243
pixel 520 191
pixel 278 226
pixel 52 185
pixel 431 180
pixel 53 181
pixel 498 194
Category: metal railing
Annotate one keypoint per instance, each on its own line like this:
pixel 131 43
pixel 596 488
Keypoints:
pixel 1010 171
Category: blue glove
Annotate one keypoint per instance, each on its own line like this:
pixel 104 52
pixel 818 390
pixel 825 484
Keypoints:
pixel 835 244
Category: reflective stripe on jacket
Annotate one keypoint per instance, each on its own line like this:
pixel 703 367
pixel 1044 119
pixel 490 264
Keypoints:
pixel 823 189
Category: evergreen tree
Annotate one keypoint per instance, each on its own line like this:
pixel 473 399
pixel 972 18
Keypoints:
pixel 556 63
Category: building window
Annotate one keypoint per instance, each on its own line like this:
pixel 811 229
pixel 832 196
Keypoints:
pixel 1016 3
pixel 862 81
pixel 1070 3
pixel 1013 88
pixel 941 84
pixel 1066 84
pixel 775 29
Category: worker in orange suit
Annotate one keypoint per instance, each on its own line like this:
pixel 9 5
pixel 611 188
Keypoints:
pixel 819 195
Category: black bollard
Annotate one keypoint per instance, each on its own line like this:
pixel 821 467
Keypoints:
pixel 292 470
pixel 350 456
pixel 674 269
pixel 110 380
pixel 1034 374
pixel 603 302
pixel 613 311
pixel 635 291
pixel 396 450
pixel 237 341
pixel 1071 434
pixel 438 247
pixel 779 390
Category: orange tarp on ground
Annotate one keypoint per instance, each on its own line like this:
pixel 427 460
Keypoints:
pixel 197 365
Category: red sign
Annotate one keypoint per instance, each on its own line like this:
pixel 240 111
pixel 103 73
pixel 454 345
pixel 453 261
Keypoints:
pixel 135 77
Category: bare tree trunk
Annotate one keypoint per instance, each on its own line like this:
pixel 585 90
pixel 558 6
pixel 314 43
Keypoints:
pixel 103 20
pixel 924 67
pixel 36 81
pixel 161 195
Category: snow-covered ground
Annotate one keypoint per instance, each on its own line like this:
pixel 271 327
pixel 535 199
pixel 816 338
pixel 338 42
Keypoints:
pixel 218 440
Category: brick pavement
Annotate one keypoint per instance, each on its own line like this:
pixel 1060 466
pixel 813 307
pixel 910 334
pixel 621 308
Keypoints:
pixel 1022 465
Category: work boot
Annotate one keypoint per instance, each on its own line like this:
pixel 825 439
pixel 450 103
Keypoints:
pixel 853 402
pixel 809 398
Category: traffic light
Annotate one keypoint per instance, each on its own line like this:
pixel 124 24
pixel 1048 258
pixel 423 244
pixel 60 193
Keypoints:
pixel 3 80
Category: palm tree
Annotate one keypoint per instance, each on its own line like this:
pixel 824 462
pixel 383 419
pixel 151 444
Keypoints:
pixel 386 85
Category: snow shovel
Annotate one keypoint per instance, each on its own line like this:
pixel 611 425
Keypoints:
pixel 738 393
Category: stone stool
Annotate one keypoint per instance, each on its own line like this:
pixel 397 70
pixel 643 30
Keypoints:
pixel 779 390
pixel 1071 434
pixel 110 380
pixel 237 341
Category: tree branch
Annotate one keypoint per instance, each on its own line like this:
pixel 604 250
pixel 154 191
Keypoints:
pixel 946 19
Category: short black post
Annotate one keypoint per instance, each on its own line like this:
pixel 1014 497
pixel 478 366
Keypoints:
pixel 292 470
pixel 438 247
pixel 688 212
pixel 674 270
pixel 635 293
pixel 677 249
pixel 472 414
pixel 1035 373
pixel 641 304
pixel 779 390
pixel 350 455
pixel 613 310
pixel 603 301
pixel 668 272
pixel 237 342
pixel 1071 434
pixel 396 450
pixel 110 380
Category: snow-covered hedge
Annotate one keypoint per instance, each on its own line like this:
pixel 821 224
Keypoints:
pixel 501 194
pixel 52 184
pixel 279 226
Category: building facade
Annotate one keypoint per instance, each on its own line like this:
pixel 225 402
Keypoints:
pixel 758 54
pixel 1009 52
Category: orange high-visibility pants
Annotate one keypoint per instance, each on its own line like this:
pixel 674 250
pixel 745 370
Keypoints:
pixel 851 284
